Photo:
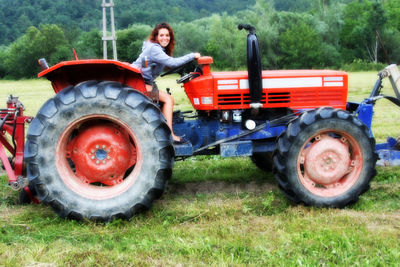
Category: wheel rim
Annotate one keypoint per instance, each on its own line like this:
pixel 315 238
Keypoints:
pixel 330 163
pixel 98 157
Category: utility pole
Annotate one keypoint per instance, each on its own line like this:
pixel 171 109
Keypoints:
pixel 113 36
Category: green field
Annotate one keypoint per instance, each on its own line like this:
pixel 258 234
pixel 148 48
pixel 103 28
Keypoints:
pixel 216 211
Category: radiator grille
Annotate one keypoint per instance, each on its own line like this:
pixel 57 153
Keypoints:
pixel 237 99
pixel 281 97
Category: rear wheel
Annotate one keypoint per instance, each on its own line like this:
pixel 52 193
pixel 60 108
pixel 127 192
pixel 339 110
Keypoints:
pixel 99 151
pixel 27 195
pixel 325 158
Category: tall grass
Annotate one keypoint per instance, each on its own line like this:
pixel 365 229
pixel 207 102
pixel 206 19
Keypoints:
pixel 216 211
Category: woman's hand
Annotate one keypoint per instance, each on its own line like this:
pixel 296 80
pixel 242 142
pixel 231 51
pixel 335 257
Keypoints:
pixel 197 55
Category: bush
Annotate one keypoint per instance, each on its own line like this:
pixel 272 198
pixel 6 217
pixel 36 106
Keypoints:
pixel 363 65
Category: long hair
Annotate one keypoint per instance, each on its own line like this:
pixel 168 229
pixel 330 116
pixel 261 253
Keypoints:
pixel 153 37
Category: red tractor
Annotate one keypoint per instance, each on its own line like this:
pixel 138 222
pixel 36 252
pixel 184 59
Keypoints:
pixel 101 149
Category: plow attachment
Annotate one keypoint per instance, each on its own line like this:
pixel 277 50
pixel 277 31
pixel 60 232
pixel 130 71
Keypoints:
pixel 12 140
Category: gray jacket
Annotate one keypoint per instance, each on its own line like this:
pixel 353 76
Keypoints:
pixel 154 53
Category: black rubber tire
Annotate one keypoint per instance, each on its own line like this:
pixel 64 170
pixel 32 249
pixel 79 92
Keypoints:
pixel 23 197
pixel 295 137
pixel 264 161
pixel 89 99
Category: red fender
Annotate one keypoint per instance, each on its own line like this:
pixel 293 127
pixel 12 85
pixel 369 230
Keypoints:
pixel 68 73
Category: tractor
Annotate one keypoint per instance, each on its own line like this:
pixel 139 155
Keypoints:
pixel 100 149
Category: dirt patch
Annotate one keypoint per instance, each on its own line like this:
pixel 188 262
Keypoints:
pixel 210 187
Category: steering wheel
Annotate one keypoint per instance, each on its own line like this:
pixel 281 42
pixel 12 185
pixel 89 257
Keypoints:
pixel 177 69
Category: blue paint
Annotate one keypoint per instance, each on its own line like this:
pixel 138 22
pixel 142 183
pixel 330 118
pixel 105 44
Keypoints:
pixel 202 132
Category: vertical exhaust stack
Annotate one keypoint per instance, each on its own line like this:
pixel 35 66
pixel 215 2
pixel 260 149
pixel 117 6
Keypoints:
pixel 253 66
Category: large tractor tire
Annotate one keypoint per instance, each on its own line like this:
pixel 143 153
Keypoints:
pixel 99 151
pixel 325 158
pixel 24 198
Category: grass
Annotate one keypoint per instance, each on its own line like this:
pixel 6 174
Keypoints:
pixel 216 211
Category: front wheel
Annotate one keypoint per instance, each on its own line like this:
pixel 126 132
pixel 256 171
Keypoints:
pixel 325 158
pixel 99 151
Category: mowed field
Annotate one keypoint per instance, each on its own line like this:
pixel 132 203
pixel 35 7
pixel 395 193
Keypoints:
pixel 216 211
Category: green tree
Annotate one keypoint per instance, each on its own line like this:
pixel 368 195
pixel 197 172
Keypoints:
pixel 89 45
pixel 226 45
pixel 192 36
pixel 391 41
pixel 328 21
pixel 261 17
pixel 292 5
pixel 3 54
pixel 46 42
pixel 391 34
pixel 300 47
pixel 392 9
pixel 130 41
pixel 358 36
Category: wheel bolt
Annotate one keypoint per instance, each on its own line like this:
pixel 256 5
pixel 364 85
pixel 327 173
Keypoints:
pixel 108 157
pixel 97 161
pixel 97 146
pixel 104 162
pixel 92 157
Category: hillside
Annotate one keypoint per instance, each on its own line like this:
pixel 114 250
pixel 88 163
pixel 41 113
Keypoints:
pixel 17 15
pixel 347 34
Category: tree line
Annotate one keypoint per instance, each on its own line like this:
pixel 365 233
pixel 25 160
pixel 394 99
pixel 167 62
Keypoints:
pixel 359 35
pixel 17 16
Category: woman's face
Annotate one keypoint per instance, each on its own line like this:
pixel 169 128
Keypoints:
pixel 163 37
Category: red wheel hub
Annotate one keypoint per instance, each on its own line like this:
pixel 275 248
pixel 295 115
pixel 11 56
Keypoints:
pixel 101 154
pixel 329 163
pixel 98 156
pixel 327 160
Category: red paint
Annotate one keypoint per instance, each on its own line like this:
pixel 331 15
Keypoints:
pixel 209 84
pixel 89 179
pixel 68 73
pixel 289 97
pixel 14 125
pixel 101 154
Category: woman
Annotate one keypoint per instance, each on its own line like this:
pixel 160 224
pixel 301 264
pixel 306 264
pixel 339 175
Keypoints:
pixel 156 55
